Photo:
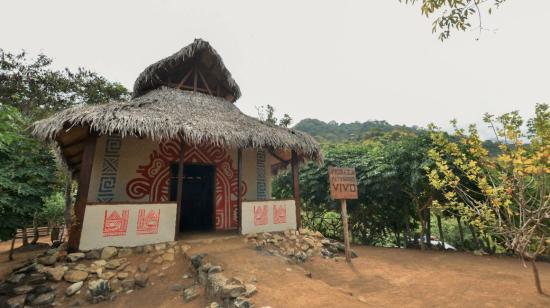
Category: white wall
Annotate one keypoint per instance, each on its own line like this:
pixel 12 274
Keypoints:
pixel 259 216
pixel 99 231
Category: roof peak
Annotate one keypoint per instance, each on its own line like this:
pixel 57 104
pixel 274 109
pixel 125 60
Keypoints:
pixel 195 67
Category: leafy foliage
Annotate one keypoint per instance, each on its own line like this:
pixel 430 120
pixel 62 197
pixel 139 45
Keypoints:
pixel 455 15
pixel 342 132
pixel 507 196
pixel 27 173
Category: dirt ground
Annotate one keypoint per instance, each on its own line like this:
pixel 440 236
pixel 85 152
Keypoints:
pixel 380 277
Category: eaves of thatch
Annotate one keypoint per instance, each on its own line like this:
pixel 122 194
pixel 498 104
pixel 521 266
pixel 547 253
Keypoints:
pixel 168 113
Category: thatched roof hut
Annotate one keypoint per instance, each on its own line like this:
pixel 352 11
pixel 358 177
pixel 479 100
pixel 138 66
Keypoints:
pixel 179 155
pixel 161 109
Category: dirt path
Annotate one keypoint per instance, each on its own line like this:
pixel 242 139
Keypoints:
pixel 385 277
pixel 379 277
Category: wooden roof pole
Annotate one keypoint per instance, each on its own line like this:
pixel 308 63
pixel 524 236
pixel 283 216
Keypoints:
pixel 179 195
pixel 240 188
pixel 83 190
pixel 296 186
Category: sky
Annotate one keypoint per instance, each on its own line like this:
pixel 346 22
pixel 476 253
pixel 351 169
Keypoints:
pixel 331 60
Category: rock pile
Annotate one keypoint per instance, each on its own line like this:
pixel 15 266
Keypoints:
pixel 231 292
pixel 297 245
pixel 101 274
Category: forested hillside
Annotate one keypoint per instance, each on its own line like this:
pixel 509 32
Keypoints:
pixel 356 131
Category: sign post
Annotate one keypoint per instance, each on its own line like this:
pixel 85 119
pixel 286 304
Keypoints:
pixel 343 186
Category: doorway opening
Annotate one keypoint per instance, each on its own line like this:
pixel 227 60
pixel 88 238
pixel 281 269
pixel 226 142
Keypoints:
pixel 197 206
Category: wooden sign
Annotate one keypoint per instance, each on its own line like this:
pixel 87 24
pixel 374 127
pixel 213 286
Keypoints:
pixel 343 183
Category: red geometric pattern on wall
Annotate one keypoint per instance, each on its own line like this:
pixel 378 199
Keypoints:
pixel 154 178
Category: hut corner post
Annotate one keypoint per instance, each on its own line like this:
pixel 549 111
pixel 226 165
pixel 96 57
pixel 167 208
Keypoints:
pixel 296 188
pixel 239 188
pixel 179 195
pixel 83 189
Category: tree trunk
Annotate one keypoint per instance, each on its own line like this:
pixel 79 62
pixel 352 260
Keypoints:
pixel 397 239
pixel 428 228
pixel 24 238
pixel 536 275
pixel 441 234
pixel 474 236
pixel 68 201
pixel 460 231
pixel 406 233
pixel 35 229
pixel 422 218
pixel 11 248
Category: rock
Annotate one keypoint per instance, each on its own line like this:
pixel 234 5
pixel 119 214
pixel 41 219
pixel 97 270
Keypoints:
pixel 242 303
pixel 122 275
pixel 214 305
pixel 250 290
pixel 353 254
pixel 191 293
pixel 158 260
pixel 108 252
pixel 48 259
pixel 16 278
pixel 340 246
pixel 186 276
pixel 16 302
pixel 107 275
pixel 93 255
pixel 235 280
pixel 176 287
pixel 75 256
pixel 232 290
pixel 44 299
pixel 54 273
pixel 131 268
pixel 43 288
pixel 148 248
pixel 123 266
pixel 36 278
pixel 215 269
pixel 24 289
pixel 80 267
pixel 196 260
pixel 100 263
pixel 116 285
pixel 160 246
pixel 124 252
pixel 51 252
pixel 75 287
pixel 139 249
pixel 113 264
pixel 6 288
pixel 185 248
pixel 169 257
pixel 141 279
pixel 99 289
pixel 362 299
pixel 33 267
pixel 143 267
pixel 205 267
pixel 75 276
pixel 128 283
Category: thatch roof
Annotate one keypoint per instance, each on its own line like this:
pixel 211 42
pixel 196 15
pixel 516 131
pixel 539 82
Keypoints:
pixel 167 113
pixel 173 69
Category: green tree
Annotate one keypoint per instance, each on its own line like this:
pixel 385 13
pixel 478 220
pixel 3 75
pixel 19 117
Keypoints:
pixel 27 173
pixel 510 195
pixel 30 90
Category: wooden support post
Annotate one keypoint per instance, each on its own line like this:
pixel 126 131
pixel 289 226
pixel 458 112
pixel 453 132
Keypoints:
pixel 179 195
pixel 344 214
pixel 296 186
pixel 240 188
pixel 83 189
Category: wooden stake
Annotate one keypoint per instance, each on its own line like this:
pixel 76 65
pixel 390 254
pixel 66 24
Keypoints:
pixel 179 195
pixel 344 214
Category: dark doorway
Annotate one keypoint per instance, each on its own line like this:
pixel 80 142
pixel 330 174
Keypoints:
pixel 197 208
